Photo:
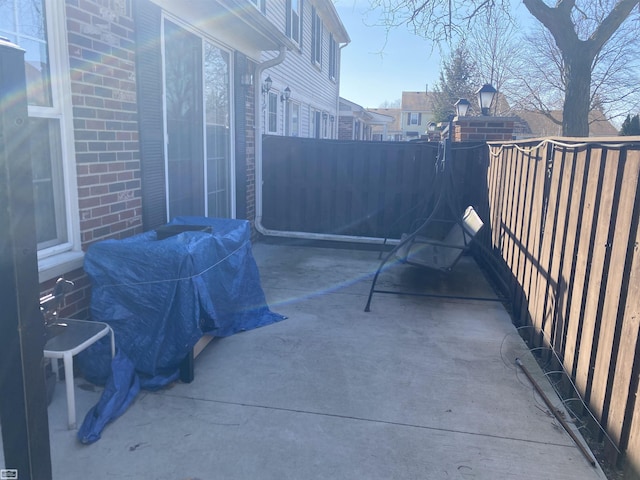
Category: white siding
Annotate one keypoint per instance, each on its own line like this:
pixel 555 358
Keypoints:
pixel 310 84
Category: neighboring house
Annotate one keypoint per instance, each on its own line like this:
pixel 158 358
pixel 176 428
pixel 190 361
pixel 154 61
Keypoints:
pixel 143 110
pixel 391 131
pixel 302 99
pixel 358 123
pixel 417 111
pixel 535 124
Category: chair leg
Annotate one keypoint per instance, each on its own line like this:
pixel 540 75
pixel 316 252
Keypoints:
pixel 71 399
pixel 113 343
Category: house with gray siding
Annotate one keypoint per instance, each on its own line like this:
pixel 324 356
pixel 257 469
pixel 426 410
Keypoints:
pixel 304 88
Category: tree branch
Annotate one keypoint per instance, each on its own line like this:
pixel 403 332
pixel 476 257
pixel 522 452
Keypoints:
pixel 610 24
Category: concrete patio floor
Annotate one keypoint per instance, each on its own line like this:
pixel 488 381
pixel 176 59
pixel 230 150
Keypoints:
pixel 419 388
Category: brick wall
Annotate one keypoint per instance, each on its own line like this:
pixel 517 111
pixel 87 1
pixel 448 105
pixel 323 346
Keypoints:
pixel 466 129
pixel 101 55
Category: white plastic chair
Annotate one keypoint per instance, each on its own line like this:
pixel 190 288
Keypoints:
pixel 76 336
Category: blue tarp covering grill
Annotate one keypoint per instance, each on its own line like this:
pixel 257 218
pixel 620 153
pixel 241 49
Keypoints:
pixel 161 296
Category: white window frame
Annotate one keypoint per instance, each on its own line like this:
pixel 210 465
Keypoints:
pixel 414 118
pixel 67 256
pixel 294 119
pixel 259 4
pixel 231 168
pixel 272 112
pixel 333 58
pixel 295 19
pixel 315 123
pixel 316 37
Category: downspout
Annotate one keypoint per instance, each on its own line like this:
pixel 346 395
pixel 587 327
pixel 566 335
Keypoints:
pixel 337 125
pixel 257 141
pixel 258 158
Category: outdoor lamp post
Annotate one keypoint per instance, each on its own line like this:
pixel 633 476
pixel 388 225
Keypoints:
pixel 266 86
pixel 486 93
pixel 462 106
pixel 285 95
pixel 431 127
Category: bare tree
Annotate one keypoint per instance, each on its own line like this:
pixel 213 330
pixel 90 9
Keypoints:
pixel 539 77
pixel 397 103
pixel 493 45
pixel 579 45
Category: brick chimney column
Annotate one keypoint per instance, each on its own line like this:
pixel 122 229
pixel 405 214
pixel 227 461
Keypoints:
pixel 483 128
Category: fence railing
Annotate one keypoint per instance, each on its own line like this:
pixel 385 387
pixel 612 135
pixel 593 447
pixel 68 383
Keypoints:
pixel 564 219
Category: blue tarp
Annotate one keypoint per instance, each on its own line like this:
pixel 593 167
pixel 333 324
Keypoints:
pixel 161 296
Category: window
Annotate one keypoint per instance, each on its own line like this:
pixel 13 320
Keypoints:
pixel 414 118
pixel 333 58
pixel 325 125
pixel 316 37
pixel 315 125
pixel 217 66
pixel 294 129
pixel 294 20
pixel 198 146
pixel 272 113
pixel 260 5
pixel 31 25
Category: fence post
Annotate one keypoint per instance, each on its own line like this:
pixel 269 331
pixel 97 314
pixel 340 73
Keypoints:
pixel 23 404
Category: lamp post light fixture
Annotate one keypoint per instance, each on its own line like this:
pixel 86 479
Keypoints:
pixel 431 127
pixel 285 95
pixel 486 94
pixel 462 106
pixel 266 86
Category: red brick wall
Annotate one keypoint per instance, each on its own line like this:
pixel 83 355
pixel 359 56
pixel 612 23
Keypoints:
pixel 468 129
pixel 101 54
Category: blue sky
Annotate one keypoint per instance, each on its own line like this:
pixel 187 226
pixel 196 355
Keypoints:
pixel 376 68
pixel 373 72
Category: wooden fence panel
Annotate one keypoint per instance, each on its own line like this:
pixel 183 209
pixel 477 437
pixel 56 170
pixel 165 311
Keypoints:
pixel 625 383
pixel 531 234
pixel 582 259
pixel 573 221
pixel 569 237
pixel 621 234
pixel 544 282
pixel 602 204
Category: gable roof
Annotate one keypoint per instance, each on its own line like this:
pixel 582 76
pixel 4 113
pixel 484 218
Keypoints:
pixel 418 101
pixel 395 113
pixel 367 115
pixel 536 124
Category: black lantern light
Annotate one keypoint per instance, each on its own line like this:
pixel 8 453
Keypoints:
pixel 486 94
pixel 462 106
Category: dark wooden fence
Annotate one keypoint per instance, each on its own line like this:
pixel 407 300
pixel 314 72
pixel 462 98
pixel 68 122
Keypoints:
pixel 564 219
pixel 364 189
